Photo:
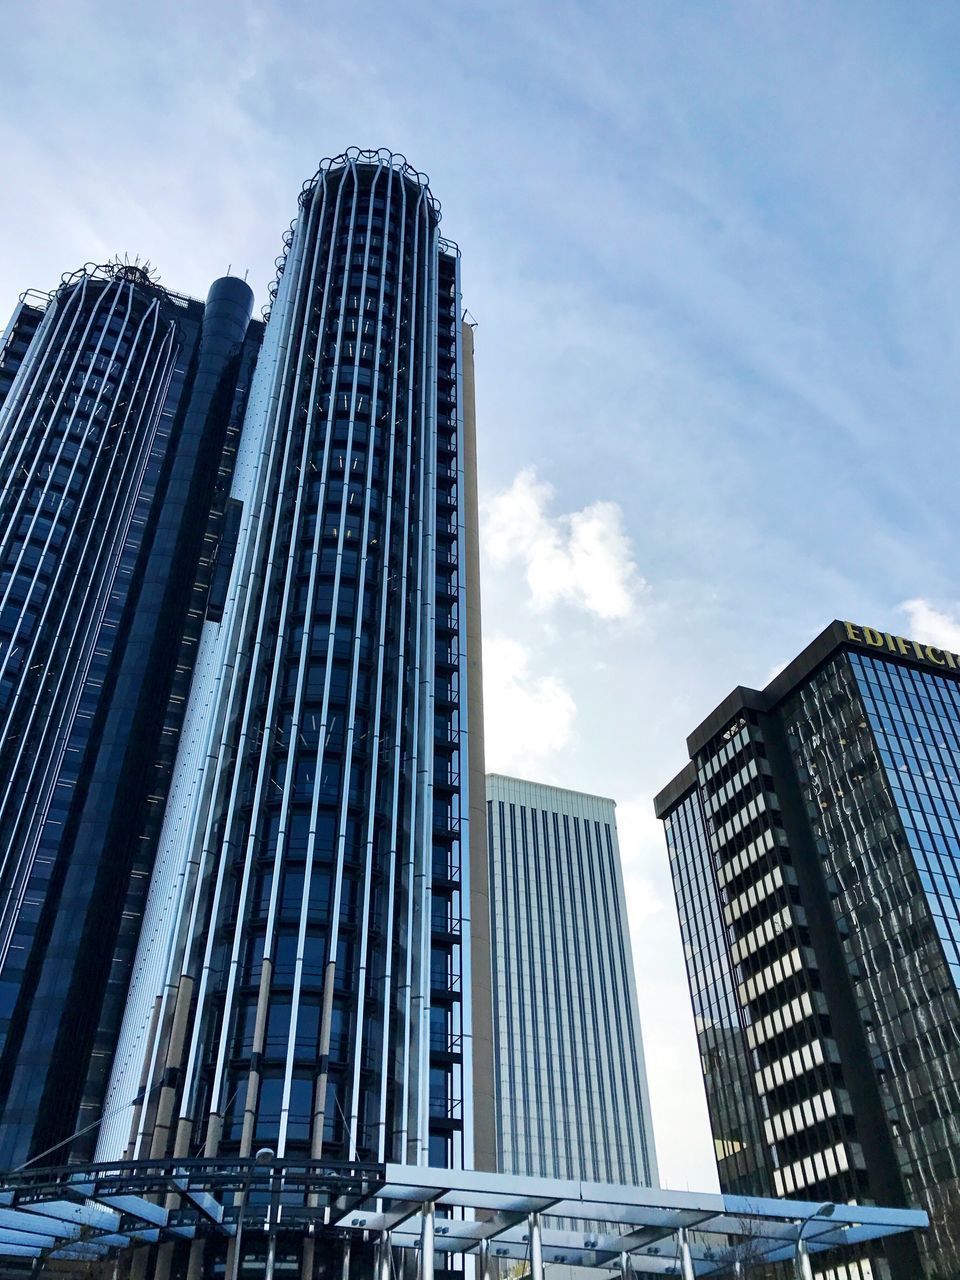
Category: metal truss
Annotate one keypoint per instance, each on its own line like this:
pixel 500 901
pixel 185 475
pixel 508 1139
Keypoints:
pixel 99 1211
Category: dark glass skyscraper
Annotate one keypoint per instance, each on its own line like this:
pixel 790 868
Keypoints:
pixel 305 980
pixel 116 404
pixel 815 847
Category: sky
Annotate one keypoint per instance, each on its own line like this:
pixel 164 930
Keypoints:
pixel 711 251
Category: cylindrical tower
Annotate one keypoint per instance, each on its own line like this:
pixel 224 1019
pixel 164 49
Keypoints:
pixel 82 439
pixel 112 432
pixel 303 982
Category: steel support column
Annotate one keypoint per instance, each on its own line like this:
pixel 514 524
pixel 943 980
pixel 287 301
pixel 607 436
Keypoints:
pixel 801 1262
pixel 232 1263
pixel 483 1262
pixel 536 1248
pixel 426 1242
pixel 686 1257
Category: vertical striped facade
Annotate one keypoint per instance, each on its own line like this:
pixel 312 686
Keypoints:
pixel 571 1088
pixel 97 383
pixel 81 426
pixel 304 979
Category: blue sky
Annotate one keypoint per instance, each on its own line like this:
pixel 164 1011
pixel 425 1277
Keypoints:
pixel 712 251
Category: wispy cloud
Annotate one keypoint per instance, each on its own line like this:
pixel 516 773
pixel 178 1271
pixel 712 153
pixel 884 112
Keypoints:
pixel 528 717
pixel 940 627
pixel 583 558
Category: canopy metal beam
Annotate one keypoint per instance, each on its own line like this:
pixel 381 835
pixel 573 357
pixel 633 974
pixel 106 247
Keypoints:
pixel 102 1210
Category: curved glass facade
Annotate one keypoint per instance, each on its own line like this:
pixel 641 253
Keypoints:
pixel 82 439
pixel 116 396
pixel 303 981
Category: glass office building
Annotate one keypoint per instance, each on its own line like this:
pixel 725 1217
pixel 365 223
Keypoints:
pixel 117 400
pixel 571 1088
pixel 306 978
pixel 815 847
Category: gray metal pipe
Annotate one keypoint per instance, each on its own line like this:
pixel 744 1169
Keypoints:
pixel 426 1242
pixel 801 1263
pixel 536 1248
pixel 686 1257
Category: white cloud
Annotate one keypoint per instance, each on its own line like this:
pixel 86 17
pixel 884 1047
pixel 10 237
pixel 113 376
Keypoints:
pixel 931 625
pixel 584 558
pixel 526 718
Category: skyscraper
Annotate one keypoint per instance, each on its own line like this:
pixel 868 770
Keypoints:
pixel 571 1089
pixel 241 743
pixel 815 848
pixel 305 977
pixel 117 401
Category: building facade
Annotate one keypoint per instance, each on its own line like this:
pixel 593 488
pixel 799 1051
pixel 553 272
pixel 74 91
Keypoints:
pixel 313 976
pixel 117 400
pixel 571 1089
pixel 814 841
